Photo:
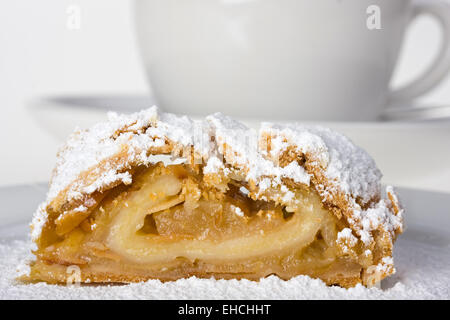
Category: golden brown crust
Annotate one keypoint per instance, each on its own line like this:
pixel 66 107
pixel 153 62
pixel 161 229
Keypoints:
pixel 58 274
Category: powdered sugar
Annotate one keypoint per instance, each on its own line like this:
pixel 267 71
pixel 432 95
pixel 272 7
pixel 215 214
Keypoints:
pixel 244 190
pixel 107 178
pixel 80 209
pixel 386 263
pixel 39 219
pixel 85 149
pixel 346 163
pixel 213 165
pixel 238 211
pixel 375 217
pixel 346 238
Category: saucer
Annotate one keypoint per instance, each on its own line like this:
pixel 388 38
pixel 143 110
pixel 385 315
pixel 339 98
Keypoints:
pixel 410 154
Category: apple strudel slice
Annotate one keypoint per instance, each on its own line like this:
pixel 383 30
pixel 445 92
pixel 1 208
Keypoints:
pixel 157 196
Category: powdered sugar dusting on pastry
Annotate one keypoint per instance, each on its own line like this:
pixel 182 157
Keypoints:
pixel 347 238
pixel 377 216
pixel 351 167
pixel 86 148
pixel 244 144
pixel 238 211
pixel 39 219
pixel 213 165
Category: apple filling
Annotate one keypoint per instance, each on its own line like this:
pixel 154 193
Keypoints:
pixel 170 224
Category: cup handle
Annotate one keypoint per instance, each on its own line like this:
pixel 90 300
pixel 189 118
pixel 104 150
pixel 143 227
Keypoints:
pixel 440 66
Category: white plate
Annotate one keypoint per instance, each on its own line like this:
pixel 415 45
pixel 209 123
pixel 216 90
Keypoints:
pixel 422 258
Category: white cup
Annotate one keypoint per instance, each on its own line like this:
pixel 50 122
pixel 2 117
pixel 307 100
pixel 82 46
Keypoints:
pixel 282 59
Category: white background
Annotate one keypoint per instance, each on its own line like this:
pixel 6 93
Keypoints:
pixel 40 56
